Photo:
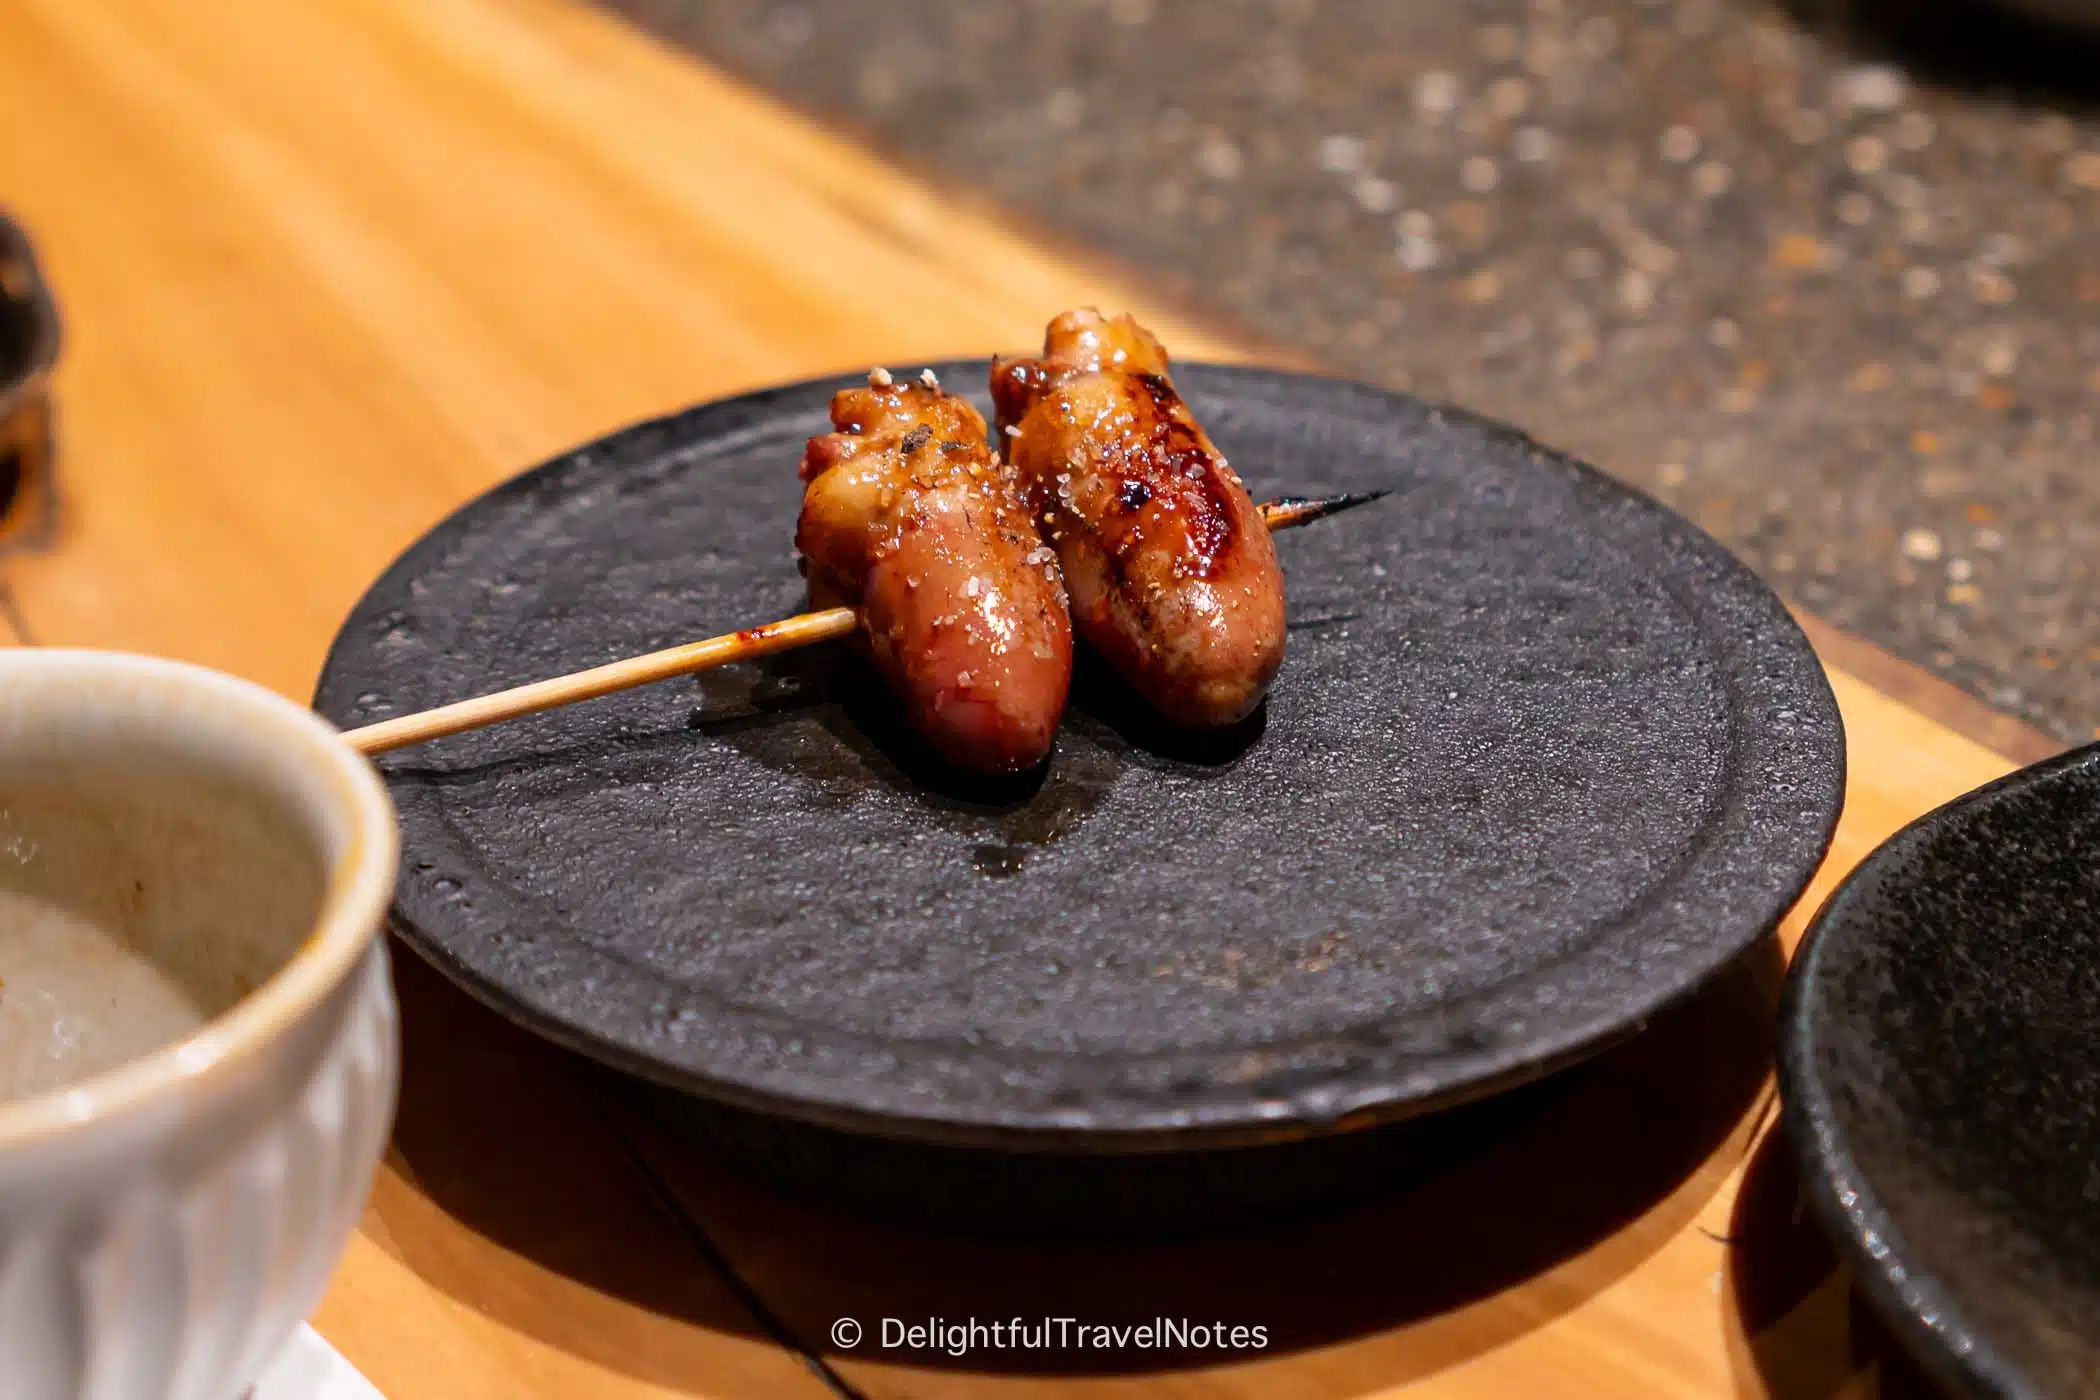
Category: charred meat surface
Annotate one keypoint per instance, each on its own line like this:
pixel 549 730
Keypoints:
pixel 1172 574
pixel 909 516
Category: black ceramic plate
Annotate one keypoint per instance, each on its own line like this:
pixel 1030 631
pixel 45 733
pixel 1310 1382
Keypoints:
pixel 1542 758
pixel 1940 1065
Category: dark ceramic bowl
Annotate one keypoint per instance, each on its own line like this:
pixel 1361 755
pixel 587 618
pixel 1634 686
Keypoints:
pixel 29 343
pixel 1939 1063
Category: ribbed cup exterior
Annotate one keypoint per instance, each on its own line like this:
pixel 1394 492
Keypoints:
pixel 169 1253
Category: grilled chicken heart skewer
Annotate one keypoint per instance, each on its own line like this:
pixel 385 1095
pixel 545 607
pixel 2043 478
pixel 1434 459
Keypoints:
pixel 802 630
pixel 912 519
pixel 1173 578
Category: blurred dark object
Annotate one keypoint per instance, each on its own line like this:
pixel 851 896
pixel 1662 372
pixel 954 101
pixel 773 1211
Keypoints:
pixel 29 344
pixel 2079 12
pixel 2044 52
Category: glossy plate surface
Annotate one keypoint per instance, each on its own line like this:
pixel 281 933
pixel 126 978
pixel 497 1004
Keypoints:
pixel 1940 1067
pixel 1541 759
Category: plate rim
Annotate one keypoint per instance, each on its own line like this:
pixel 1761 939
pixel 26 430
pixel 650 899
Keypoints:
pixel 1912 1301
pixel 1205 1127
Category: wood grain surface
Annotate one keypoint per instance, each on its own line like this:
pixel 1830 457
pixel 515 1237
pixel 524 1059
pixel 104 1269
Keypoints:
pixel 330 268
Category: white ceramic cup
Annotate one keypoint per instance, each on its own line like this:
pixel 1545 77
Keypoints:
pixel 165 1224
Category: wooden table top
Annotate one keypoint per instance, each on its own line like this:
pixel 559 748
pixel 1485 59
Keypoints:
pixel 330 268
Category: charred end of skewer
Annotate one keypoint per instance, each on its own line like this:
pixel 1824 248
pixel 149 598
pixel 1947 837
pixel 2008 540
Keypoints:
pixel 1287 512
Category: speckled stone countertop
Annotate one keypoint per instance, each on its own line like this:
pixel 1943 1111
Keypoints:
pixel 1827 282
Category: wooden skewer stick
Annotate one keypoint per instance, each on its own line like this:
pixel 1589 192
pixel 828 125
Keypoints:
pixel 801 630
pixel 1289 512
